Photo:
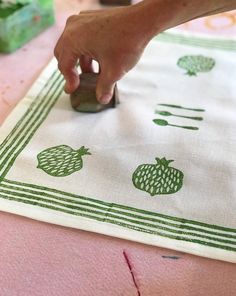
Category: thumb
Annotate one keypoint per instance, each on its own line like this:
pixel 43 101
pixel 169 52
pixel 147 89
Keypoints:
pixel 105 87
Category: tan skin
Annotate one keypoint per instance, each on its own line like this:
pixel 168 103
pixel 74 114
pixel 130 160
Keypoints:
pixel 116 38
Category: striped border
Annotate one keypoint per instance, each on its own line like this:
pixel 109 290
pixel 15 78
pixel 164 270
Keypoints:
pixel 128 217
pixel 222 44
pixel 29 123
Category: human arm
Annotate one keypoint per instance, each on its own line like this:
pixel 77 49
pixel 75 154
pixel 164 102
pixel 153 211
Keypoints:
pixel 116 38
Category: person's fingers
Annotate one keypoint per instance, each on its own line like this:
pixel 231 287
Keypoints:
pixel 105 87
pixel 86 64
pixel 67 65
pixel 72 81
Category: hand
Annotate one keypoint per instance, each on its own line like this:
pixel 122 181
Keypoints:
pixel 116 38
pixel 113 38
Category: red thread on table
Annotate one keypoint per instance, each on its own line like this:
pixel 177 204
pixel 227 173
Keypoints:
pixel 130 269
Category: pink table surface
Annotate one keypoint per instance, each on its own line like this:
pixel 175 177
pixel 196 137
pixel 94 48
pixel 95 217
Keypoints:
pixel 42 259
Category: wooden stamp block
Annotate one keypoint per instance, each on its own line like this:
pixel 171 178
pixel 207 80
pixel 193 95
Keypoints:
pixel 84 98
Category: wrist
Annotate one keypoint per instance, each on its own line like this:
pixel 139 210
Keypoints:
pixel 156 16
pixel 159 15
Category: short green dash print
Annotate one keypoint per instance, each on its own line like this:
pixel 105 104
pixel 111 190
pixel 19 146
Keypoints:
pixel 195 64
pixel 61 161
pixel 158 178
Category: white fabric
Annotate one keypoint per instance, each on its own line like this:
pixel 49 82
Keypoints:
pixel 123 138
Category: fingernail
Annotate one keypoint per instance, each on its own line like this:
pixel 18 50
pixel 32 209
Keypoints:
pixel 105 99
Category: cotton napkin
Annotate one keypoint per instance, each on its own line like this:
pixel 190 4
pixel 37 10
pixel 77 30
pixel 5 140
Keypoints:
pixel 159 169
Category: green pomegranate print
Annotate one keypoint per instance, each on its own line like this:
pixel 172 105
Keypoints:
pixel 196 63
pixel 61 161
pixel 158 178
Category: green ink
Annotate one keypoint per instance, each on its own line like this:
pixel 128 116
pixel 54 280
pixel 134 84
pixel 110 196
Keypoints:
pixel 180 107
pixel 35 115
pixel 40 193
pixel 158 178
pixel 163 122
pixel 212 43
pixel 166 113
pixel 196 63
pixel 154 230
pixel 61 161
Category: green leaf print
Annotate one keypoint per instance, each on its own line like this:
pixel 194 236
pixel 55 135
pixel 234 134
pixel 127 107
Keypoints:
pixel 196 63
pixel 61 161
pixel 158 178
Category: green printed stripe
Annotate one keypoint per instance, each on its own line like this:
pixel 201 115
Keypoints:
pixel 83 201
pixel 23 141
pixel 22 126
pixel 182 221
pixel 111 208
pixel 28 134
pixel 197 41
pixel 107 213
pixel 34 110
pixel 27 113
pixel 126 225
